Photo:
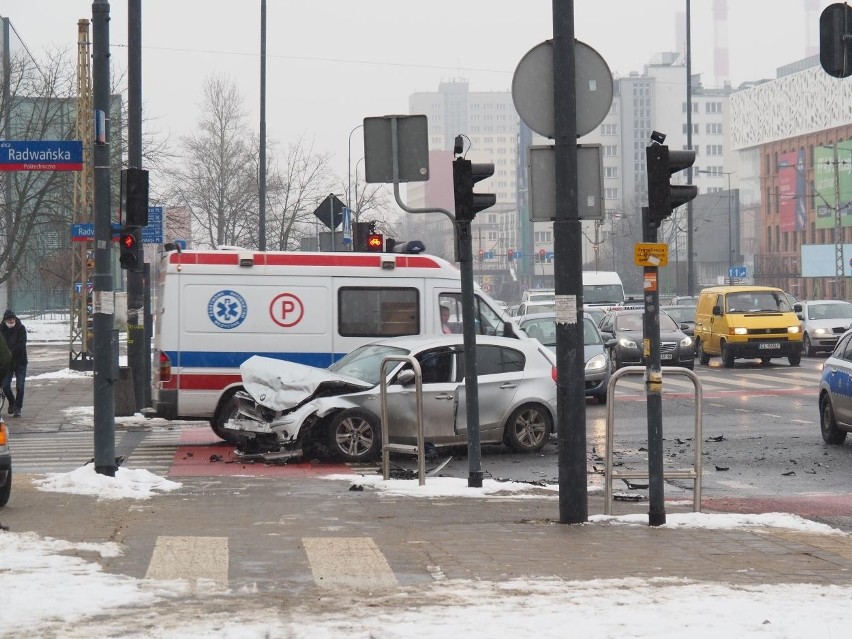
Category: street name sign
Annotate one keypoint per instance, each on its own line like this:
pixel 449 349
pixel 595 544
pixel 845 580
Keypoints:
pixel 41 155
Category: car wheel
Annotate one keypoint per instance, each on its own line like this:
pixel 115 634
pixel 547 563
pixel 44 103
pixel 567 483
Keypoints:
pixel 795 359
pixel 703 358
pixel 727 356
pixel 355 435
pixel 227 409
pixel 831 434
pixel 528 428
pixel 6 489
pixel 807 346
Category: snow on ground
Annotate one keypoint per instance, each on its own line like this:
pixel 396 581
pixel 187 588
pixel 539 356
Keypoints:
pixel 85 601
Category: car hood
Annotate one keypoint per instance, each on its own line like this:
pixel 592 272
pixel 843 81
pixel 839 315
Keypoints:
pixel 282 385
pixel 828 323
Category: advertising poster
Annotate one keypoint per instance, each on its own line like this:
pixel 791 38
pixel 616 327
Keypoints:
pixel 832 186
pixel 787 180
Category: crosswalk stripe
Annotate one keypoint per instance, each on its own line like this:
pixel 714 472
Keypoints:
pixel 348 563
pixel 201 561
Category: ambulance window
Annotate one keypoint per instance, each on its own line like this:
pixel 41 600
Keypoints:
pixel 487 322
pixel 378 312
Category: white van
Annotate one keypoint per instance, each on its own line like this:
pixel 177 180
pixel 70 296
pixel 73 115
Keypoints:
pixel 602 288
pixel 215 309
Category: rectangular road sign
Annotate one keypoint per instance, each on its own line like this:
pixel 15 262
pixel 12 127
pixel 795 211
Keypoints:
pixel 543 183
pixel 650 254
pixel 738 272
pixel 41 155
pixel 153 233
pixel 411 153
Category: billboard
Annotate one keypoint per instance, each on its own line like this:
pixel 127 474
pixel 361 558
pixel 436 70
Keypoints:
pixel 832 186
pixel 820 260
pixel 790 166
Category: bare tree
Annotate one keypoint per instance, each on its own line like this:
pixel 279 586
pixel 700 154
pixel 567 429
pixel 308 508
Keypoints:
pixel 217 180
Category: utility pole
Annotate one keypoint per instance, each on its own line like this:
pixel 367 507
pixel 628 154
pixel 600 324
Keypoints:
pixel 103 295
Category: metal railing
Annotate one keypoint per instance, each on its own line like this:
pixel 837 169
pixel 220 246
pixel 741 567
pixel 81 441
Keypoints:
pixel 387 447
pixel 693 473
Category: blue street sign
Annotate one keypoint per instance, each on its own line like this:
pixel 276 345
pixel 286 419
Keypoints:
pixel 41 155
pixel 153 233
pixel 738 272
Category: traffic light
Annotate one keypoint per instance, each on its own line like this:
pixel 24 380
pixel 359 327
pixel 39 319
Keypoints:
pixel 134 197
pixel 835 46
pixel 465 175
pixel 128 254
pixel 541 255
pixel 510 254
pixel 481 255
pixel 375 243
pixel 663 196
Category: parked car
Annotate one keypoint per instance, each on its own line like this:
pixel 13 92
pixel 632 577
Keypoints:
pixel 626 328
pixel 835 405
pixel 539 295
pixel 542 326
pixel 684 316
pixel 823 322
pixel 5 464
pixel 288 407
pixel 540 306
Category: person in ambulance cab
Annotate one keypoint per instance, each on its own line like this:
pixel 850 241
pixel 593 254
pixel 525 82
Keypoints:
pixel 445 319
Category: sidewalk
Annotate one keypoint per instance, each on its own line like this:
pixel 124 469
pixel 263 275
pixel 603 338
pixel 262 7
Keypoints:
pixel 296 538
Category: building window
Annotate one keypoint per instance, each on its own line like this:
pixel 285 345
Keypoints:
pixel 714 128
pixel 714 149
pixel 543 237
pixel 610 150
pixel 713 107
pixel 609 129
pixel 610 171
pixel 611 194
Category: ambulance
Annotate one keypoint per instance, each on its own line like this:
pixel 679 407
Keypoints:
pixel 214 309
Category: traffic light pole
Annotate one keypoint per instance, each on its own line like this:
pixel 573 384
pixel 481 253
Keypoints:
pixel 103 295
pixel 471 374
pixel 653 382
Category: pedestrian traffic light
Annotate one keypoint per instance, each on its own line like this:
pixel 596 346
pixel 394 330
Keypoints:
pixel 375 242
pixel 465 175
pixel 128 254
pixel 663 196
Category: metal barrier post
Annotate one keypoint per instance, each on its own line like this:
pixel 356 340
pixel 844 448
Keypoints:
pixel 387 447
pixel 694 473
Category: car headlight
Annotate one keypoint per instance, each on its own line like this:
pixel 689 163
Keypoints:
pixel 686 342
pixel 626 342
pixel 597 363
pixel 739 330
pixel 820 331
pixel 794 329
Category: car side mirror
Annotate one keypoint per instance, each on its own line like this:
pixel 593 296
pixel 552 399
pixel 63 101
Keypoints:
pixel 798 308
pixel 717 310
pixel 405 377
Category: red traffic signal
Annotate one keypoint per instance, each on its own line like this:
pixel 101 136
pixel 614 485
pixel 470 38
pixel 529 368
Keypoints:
pixel 541 254
pixel 481 255
pixel 510 254
pixel 128 253
pixel 375 242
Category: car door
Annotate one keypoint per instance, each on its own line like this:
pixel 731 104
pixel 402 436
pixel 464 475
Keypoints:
pixel 438 368
pixel 500 371
pixel 838 374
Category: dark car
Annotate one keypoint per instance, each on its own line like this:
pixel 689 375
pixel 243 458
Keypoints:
pixel 684 316
pixel 625 327
pixel 5 465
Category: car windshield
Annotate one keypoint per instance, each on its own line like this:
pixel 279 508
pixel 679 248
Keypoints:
pixel 603 294
pixel 544 330
pixel 756 301
pixel 365 363
pixel 634 322
pixel 842 310
pixel 682 314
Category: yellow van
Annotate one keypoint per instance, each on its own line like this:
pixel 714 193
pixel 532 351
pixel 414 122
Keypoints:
pixel 746 322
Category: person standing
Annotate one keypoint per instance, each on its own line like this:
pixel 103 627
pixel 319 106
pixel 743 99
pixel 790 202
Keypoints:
pixel 15 336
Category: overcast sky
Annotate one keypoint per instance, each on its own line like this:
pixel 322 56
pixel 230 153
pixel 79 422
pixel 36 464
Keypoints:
pixel 330 63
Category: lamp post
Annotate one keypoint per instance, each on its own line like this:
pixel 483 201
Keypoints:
pixel 728 174
pixel 349 169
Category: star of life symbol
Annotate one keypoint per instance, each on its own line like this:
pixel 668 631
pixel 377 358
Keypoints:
pixel 227 309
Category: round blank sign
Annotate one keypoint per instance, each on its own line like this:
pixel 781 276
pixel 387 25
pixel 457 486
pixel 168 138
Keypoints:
pixel 532 88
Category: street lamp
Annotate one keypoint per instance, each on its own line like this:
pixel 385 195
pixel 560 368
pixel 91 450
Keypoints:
pixel 349 169
pixel 730 224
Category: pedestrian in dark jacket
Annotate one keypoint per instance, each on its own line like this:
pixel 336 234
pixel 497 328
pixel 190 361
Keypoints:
pixel 15 336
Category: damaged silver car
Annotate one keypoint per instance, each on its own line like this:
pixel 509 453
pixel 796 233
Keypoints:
pixel 289 409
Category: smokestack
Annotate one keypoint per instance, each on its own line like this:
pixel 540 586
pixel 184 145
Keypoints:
pixel 721 67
